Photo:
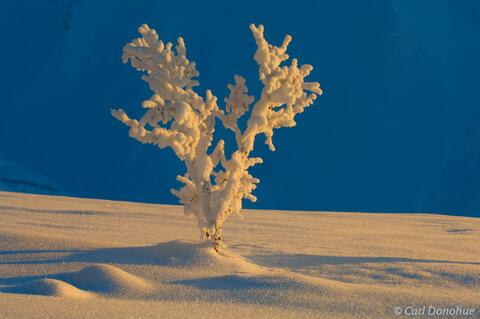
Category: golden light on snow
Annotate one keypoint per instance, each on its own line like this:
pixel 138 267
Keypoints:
pixel 84 258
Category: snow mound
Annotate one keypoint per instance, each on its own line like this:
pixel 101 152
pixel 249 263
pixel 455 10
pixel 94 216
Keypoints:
pixel 107 279
pixel 327 273
pixel 192 254
pixel 49 287
pixel 173 253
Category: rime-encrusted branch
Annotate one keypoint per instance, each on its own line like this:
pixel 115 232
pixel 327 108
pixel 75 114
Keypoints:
pixel 283 86
pixel 236 104
pixel 170 76
pixel 177 117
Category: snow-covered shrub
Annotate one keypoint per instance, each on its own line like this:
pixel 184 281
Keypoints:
pixel 178 117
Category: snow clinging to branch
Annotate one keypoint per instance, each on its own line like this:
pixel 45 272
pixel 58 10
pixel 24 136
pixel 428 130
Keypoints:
pixel 178 117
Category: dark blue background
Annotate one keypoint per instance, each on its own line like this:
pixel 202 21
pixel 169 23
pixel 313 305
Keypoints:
pixel 397 130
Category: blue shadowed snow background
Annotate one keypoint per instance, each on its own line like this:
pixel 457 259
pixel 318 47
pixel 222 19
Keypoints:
pixel 397 130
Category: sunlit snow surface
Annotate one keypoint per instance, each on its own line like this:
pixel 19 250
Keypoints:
pixel 80 258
